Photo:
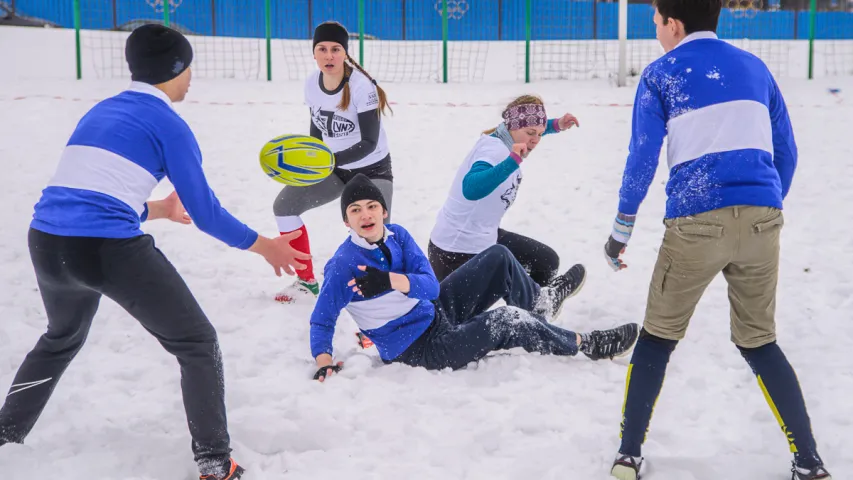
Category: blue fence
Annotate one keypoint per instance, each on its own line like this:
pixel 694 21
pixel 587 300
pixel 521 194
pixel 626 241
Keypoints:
pixel 421 19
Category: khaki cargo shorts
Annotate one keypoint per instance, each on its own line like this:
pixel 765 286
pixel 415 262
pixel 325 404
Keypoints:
pixel 743 243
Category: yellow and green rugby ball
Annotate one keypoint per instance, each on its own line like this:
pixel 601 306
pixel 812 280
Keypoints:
pixel 298 160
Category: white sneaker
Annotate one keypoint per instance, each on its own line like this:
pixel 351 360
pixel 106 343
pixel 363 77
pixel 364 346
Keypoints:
pixel 306 290
pixel 626 467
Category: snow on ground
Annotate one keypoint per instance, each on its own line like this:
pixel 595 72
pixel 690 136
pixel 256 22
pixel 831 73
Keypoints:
pixel 117 412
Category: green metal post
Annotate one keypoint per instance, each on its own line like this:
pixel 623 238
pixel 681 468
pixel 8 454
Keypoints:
pixel 444 28
pixel 268 17
pixel 77 38
pixel 166 4
pixel 361 32
pixel 527 20
pixel 812 19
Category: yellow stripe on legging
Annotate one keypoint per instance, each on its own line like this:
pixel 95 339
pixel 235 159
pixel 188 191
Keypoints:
pixel 625 403
pixel 788 435
pixel 625 400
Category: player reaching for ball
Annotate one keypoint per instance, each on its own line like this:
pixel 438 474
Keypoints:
pixel 483 190
pixel 346 106
pixel 85 242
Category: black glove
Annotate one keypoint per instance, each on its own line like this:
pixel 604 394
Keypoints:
pixel 373 283
pixel 321 373
pixel 613 247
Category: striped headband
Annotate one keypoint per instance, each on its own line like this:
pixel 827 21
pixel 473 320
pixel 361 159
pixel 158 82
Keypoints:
pixel 525 115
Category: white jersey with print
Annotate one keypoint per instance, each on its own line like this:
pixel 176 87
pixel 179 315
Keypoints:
pixel 471 226
pixel 340 127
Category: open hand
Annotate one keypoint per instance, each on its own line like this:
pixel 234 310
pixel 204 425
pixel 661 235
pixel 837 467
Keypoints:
pixel 567 121
pixel 174 209
pixel 280 254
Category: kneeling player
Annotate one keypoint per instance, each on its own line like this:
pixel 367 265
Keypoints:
pixel 385 282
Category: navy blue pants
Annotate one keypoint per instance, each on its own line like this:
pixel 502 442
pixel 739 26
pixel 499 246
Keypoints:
pixel 464 330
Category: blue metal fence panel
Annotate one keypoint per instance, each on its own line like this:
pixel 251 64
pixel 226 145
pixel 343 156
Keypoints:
pixel 421 19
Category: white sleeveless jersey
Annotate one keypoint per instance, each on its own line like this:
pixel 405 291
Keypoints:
pixel 471 226
pixel 340 128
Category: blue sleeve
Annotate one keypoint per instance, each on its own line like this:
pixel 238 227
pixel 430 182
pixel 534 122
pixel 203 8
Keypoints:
pixel 784 145
pixel 483 178
pixel 647 133
pixel 182 159
pixel 423 284
pixel 553 126
pixel 144 216
pixel 334 296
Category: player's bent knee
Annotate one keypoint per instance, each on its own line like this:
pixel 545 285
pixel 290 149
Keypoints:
pixel 497 250
pixel 548 261
pixel 662 334
pixel 670 344
pixel 282 208
pixel 753 345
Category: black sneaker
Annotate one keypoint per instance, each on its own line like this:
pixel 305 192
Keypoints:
pixel 626 467
pixel 816 473
pixel 551 297
pixel 616 342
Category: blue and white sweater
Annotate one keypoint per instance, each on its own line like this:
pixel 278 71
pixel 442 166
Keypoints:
pixel 117 155
pixel 392 320
pixel 729 137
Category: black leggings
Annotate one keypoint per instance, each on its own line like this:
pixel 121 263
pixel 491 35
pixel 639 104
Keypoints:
pixel 539 260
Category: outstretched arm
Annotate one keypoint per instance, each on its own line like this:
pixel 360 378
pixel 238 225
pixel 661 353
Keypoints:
pixel 182 160
pixel 334 296
pixel 557 125
pixel 183 167
pixel 648 133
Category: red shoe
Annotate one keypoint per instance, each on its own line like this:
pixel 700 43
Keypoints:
pixel 234 472
pixel 363 341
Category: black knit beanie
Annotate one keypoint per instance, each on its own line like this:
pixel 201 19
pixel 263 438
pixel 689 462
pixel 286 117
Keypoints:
pixel 157 54
pixel 357 189
pixel 331 32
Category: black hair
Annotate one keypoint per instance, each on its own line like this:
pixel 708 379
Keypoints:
pixel 696 15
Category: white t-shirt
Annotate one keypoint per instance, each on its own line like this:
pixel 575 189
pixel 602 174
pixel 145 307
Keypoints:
pixel 340 128
pixel 471 226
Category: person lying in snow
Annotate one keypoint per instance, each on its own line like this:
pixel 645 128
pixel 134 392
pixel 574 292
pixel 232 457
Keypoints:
pixel 384 280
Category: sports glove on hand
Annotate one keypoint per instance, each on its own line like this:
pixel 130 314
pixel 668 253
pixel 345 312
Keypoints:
pixel 323 371
pixel 373 283
pixel 623 227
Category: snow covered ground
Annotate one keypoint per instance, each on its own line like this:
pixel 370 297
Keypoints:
pixel 117 412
